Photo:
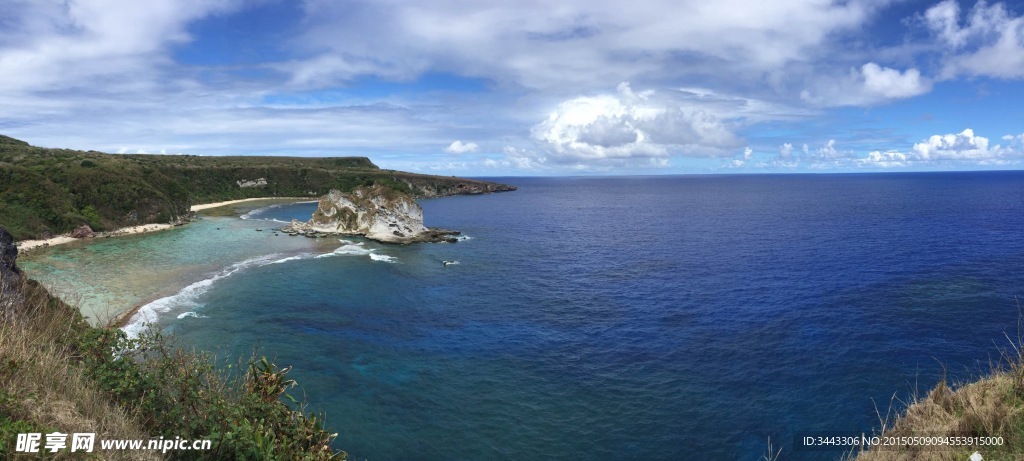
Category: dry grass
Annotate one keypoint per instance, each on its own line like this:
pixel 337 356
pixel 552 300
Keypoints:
pixel 771 453
pixel 43 388
pixel 992 406
pixel 988 407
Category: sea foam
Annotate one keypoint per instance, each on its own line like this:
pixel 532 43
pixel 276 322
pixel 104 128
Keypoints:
pixel 383 258
pixel 257 212
pixel 358 249
pixel 191 314
pixel 186 298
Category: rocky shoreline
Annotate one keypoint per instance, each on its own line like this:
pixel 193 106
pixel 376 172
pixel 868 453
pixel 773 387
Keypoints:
pixel 298 228
pixel 85 232
pixel 375 212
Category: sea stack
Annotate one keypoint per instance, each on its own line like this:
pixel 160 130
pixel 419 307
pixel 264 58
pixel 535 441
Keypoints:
pixel 376 212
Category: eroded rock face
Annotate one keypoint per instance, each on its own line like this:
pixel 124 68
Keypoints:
pixel 82 232
pixel 375 212
pixel 244 183
pixel 10 276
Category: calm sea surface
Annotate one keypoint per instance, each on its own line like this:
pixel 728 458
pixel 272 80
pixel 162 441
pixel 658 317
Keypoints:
pixel 601 318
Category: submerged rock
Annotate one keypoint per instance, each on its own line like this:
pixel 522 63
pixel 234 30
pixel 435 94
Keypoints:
pixel 376 212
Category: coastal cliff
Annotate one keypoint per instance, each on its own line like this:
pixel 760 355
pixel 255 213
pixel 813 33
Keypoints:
pixel 58 374
pixel 48 192
pixel 10 276
pixel 426 186
pixel 376 212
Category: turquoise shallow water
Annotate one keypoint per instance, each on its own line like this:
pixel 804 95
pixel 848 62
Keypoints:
pixel 615 318
pixel 108 276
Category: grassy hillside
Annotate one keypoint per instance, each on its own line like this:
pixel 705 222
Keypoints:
pixel 44 192
pixel 58 374
pixel 984 416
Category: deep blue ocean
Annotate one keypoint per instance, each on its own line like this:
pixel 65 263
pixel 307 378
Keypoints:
pixel 684 317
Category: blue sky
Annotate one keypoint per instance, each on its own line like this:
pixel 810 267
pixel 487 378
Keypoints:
pixel 487 88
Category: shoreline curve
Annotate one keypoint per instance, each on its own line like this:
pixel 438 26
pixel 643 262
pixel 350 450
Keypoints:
pixel 25 246
pixel 206 206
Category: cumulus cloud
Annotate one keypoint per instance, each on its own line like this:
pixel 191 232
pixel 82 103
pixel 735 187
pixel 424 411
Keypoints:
pixel 887 83
pixel 628 124
pixel 990 42
pixel 942 150
pixel 890 159
pixel 458 147
pixel 106 72
pixel 1015 141
pixel 828 151
pixel 870 85
pixel 786 150
pixel 966 148
pixel 959 146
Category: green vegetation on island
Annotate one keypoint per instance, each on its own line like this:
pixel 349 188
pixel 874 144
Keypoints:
pixel 46 192
pixel 59 374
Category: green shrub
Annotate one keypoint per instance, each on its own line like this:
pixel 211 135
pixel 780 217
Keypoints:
pixel 183 393
pixel 56 186
pixel 11 423
pixel 92 216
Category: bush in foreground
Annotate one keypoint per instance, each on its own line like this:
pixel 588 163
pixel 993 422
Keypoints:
pixel 59 374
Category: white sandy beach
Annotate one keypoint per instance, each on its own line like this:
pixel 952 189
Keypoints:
pixel 28 245
pixel 207 206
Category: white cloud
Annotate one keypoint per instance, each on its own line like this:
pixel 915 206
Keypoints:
pixel 960 146
pixel 786 150
pixel 458 147
pixel 990 42
pixel 891 159
pixel 99 45
pixel 1015 142
pixel 943 150
pixel 828 151
pixel 963 148
pixel 870 85
pixel 581 45
pixel 628 124
pixel 521 159
pixel 104 71
pixel 943 20
pixel 887 83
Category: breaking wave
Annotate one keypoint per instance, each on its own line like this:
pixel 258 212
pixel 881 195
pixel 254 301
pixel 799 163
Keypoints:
pixel 187 297
pixel 384 258
pixel 358 249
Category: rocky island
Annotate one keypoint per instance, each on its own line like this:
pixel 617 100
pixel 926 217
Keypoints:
pixel 376 212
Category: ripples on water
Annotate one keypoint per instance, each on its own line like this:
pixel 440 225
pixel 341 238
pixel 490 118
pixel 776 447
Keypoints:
pixel 635 318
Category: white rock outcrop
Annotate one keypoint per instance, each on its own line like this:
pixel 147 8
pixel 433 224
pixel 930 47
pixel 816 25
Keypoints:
pixel 244 183
pixel 376 212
